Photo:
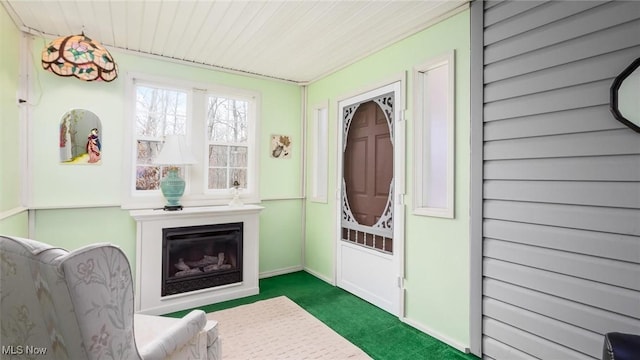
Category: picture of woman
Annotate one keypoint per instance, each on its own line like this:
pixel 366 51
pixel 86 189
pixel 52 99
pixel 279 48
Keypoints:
pixel 93 146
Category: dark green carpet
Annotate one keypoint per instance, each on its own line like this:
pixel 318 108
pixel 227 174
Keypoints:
pixel 380 334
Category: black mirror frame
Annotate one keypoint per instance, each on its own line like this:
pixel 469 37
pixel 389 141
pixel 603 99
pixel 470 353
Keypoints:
pixel 613 102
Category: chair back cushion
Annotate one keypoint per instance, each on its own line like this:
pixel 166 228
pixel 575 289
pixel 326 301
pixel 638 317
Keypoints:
pixel 37 314
pixel 100 284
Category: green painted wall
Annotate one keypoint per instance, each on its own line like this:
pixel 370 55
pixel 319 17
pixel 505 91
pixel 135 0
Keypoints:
pixel 79 204
pixel 9 113
pixel 74 228
pixel 11 223
pixel 15 225
pixel 437 250
pixel 281 236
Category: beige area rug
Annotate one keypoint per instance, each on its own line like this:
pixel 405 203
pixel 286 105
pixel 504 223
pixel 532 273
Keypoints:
pixel 276 329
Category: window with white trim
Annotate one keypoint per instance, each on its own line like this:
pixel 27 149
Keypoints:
pixel 227 142
pixel 158 112
pixel 434 96
pixel 220 125
pixel 319 160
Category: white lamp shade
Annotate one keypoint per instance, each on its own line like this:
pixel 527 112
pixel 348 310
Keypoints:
pixel 175 152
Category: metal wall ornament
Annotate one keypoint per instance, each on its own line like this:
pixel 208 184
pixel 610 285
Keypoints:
pixel 81 57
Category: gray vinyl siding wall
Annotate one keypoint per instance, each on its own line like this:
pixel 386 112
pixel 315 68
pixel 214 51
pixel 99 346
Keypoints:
pixel 561 179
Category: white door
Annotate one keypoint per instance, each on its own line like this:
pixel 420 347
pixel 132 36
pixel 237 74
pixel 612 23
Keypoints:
pixel 371 177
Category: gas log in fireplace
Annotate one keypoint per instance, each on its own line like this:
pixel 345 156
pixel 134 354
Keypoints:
pixel 200 257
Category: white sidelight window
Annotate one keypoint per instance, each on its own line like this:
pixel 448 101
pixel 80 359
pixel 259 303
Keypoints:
pixel 434 136
pixel 319 153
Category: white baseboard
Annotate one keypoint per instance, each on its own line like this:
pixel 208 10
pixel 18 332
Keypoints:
pixel 320 276
pixel 434 334
pixel 277 272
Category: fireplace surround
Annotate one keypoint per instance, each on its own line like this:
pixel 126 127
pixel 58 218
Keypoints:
pixel 228 235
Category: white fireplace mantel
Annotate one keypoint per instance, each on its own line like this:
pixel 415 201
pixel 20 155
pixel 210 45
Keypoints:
pixel 150 223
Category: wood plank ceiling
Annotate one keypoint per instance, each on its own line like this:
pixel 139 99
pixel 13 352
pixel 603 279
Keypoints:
pixel 298 41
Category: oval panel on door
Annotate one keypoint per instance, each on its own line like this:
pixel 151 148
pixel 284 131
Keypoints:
pixel 368 163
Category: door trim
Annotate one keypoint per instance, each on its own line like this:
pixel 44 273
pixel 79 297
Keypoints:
pixel 397 85
pixel 476 178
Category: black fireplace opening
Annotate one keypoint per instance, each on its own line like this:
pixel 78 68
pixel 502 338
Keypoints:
pixel 200 257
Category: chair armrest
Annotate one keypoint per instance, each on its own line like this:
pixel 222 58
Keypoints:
pixel 174 337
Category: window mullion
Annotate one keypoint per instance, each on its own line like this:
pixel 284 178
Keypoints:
pixel 228 166
pixel 198 142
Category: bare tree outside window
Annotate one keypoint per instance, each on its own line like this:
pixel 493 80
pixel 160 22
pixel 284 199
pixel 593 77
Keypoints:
pixel 227 132
pixel 159 112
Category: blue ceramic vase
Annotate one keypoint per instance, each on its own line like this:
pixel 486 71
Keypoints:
pixel 172 186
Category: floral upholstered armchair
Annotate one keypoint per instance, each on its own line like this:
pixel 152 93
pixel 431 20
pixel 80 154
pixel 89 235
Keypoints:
pixel 79 305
